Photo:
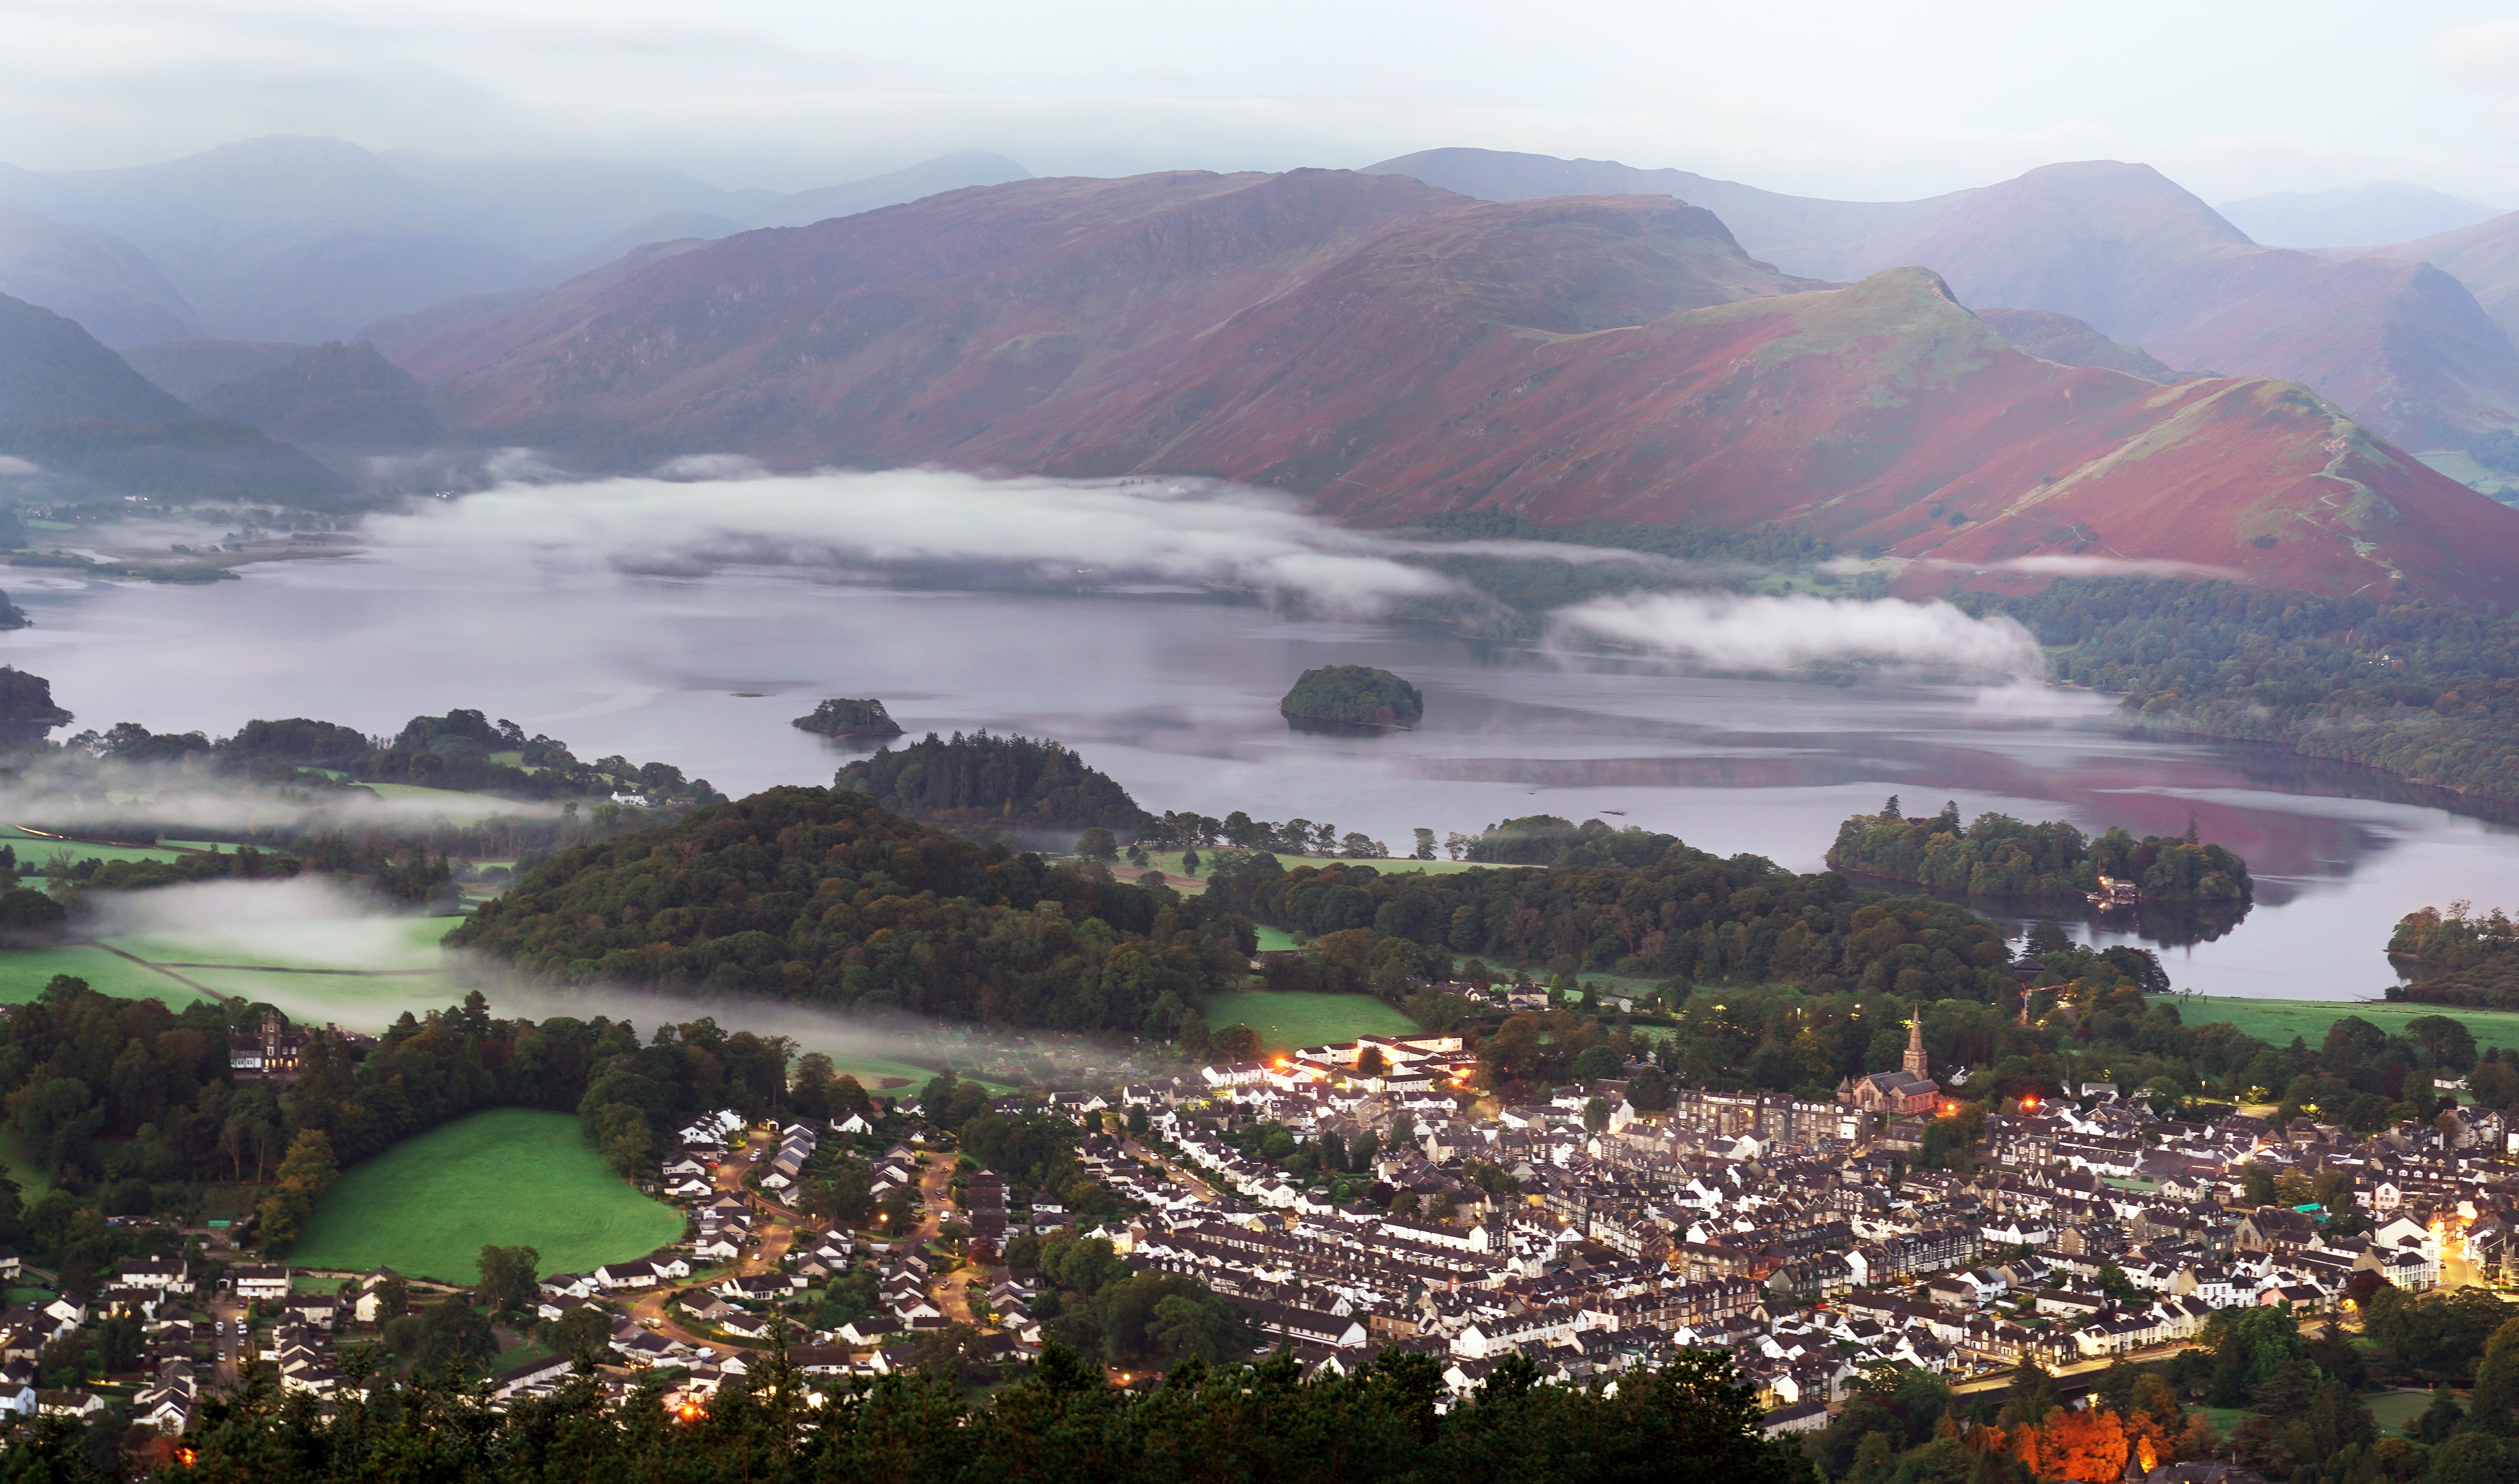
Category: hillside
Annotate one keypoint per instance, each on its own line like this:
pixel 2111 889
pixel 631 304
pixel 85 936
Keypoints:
pixel 1014 324
pixel 2126 250
pixel 108 285
pixel 189 367
pixel 91 424
pixel 339 395
pixel 1395 352
pixel 2485 257
pixel 2068 341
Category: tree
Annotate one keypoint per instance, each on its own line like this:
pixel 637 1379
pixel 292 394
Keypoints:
pixel 619 1132
pixel 452 1334
pixel 305 1172
pixel 2119 1288
pixel 1234 1043
pixel 509 1276
pixel 1097 844
pixel 1425 845
pixel 1596 1114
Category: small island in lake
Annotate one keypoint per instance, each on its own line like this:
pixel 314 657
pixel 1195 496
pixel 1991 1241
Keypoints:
pixel 1997 855
pixel 851 719
pixel 1353 695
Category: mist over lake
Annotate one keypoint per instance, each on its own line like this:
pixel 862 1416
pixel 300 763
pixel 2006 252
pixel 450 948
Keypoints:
pixel 1173 691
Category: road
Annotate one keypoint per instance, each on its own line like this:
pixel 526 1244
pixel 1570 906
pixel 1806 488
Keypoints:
pixel 774 1236
pixel 1148 1154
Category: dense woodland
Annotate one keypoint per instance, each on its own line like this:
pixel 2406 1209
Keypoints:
pixel 1353 695
pixel 2425 690
pixel 1998 855
pixel 825 897
pixel 981 779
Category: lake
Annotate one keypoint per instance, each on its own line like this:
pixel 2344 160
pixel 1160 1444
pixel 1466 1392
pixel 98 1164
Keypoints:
pixel 1173 691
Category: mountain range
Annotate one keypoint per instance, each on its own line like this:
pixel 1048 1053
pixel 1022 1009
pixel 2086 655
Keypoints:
pixel 305 240
pixel 2401 345
pixel 1389 349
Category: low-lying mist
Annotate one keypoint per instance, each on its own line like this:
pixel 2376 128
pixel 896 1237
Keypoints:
pixel 1769 633
pixel 307 925
pixel 702 513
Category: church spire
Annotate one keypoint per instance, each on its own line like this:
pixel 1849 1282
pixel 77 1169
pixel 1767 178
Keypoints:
pixel 1916 1062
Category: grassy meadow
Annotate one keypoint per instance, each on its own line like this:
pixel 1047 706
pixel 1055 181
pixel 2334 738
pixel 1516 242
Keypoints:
pixel 1289 1020
pixel 2279 1020
pixel 510 1177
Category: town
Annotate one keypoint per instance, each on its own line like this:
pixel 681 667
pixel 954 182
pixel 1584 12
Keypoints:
pixel 1587 1236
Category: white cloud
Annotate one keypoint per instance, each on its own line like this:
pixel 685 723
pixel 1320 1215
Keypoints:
pixel 1062 531
pixel 1788 633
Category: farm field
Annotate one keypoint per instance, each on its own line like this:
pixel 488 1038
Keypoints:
pixel 1170 862
pixel 511 1176
pixel 1291 1019
pixel 34 849
pixel 2279 1020
pixel 418 802
pixel 23 973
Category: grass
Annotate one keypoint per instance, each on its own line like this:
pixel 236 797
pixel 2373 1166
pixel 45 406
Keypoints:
pixel 513 1176
pixel 1291 1019
pixel 2279 1020
pixel 34 849
pixel 1170 862
pixel 22 1167
pixel 452 803
pixel 1276 940
pixel 2393 1410
pixel 23 973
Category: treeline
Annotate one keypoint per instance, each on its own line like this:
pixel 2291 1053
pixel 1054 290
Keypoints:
pixel 823 896
pixel 991 780
pixel 2428 691
pixel 1998 855
pixel 1061 1418
pixel 2459 958
pixel 1687 915
pixel 1546 840
pixel 460 750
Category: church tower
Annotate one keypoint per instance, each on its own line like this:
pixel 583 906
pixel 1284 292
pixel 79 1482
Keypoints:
pixel 1915 1061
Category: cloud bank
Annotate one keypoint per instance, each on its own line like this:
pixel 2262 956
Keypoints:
pixel 693 517
pixel 1789 633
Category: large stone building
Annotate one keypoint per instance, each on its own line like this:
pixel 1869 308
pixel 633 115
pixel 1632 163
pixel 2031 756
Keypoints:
pixel 1909 1092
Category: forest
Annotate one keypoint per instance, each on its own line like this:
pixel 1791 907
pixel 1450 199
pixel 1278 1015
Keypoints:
pixel 2428 691
pixel 1353 695
pixel 1685 915
pixel 825 897
pixel 2458 957
pixel 1063 1419
pixel 981 779
pixel 1998 855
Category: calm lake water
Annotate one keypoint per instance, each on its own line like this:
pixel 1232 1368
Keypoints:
pixel 1174 694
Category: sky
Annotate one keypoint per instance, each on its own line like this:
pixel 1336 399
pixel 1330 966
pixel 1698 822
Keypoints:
pixel 1841 97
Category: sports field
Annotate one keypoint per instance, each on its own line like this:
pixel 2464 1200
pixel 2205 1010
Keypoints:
pixel 2279 1020
pixel 1289 1020
pixel 510 1177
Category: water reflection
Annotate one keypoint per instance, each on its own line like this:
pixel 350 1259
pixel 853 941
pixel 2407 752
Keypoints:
pixel 1176 696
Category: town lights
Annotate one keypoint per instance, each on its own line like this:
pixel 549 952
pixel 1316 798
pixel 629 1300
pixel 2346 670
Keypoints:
pixel 690 1411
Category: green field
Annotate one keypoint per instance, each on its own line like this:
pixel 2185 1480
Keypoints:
pixel 1276 940
pixel 1171 863
pixel 23 973
pixel 454 804
pixel 513 1176
pixel 34 849
pixel 1289 1020
pixel 2279 1020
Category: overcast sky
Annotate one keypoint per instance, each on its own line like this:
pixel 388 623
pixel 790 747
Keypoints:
pixel 1846 97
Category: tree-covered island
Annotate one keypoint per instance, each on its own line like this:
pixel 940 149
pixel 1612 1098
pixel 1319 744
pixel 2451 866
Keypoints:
pixel 1997 855
pixel 843 718
pixel 1353 695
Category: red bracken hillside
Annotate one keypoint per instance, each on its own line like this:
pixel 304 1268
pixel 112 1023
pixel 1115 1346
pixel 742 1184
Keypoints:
pixel 1391 350
pixel 2403 347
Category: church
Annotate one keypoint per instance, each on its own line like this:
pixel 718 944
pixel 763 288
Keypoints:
pixel 1907 1093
